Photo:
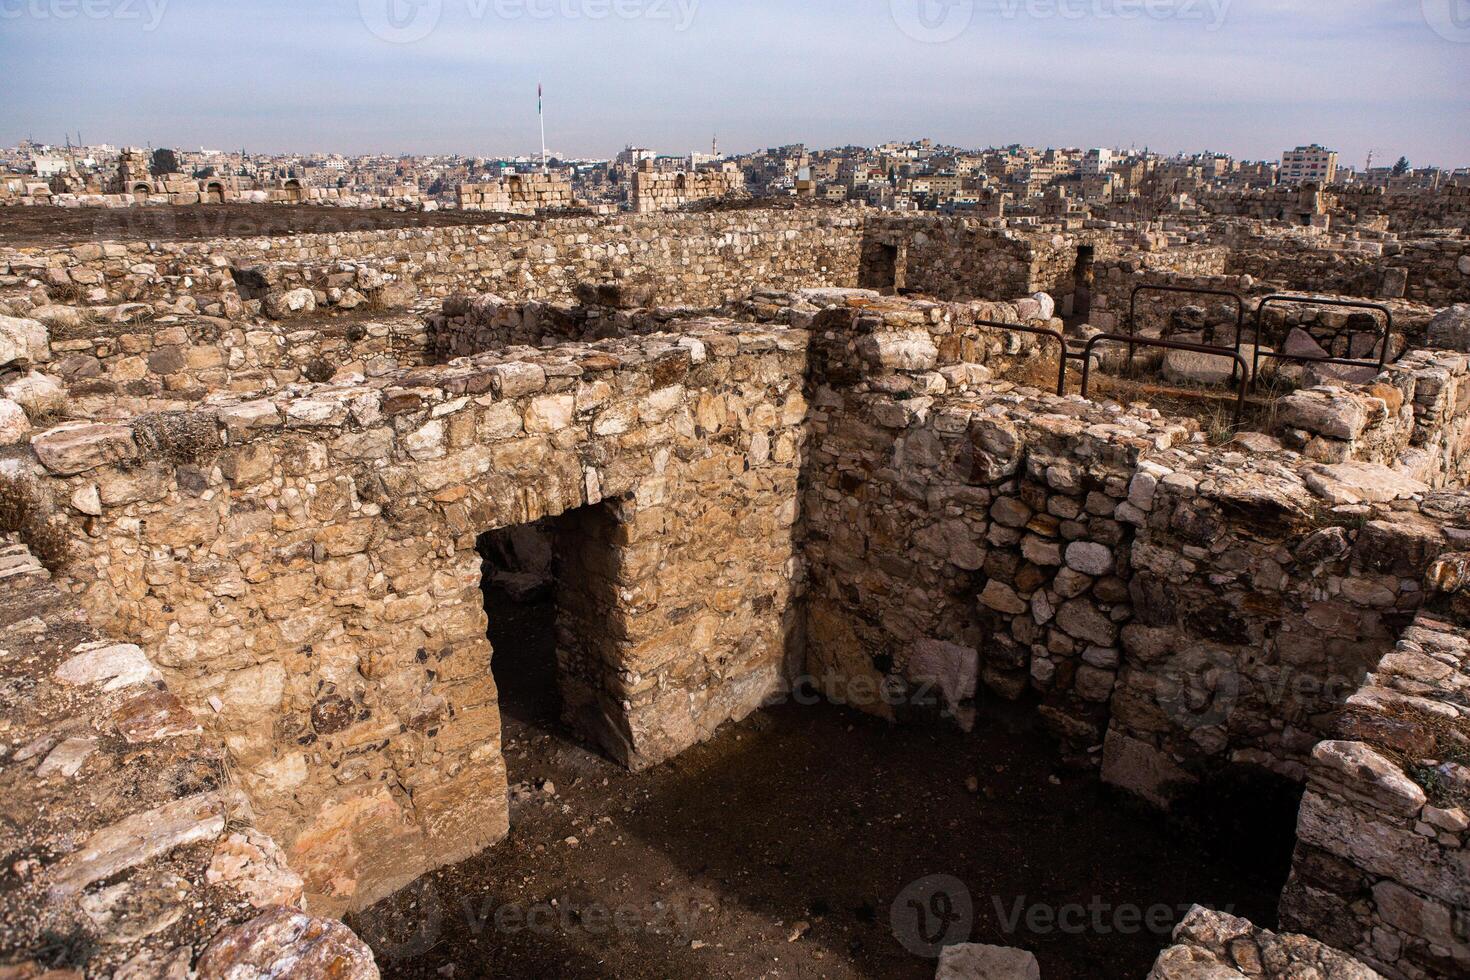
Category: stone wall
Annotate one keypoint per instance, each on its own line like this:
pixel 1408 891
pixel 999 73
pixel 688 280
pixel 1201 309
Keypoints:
pixel 1413 417
pixel 688 258
pixel 516 194
pixel 130 852
pixel 966 258
pixel 654 191
pixel 121 368
pixel 1382 866
pixel 961 528
pixel 1211 945
pixel 304 570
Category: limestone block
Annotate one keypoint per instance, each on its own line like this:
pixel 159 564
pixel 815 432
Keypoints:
pixel 39 394
pixel 954 668
pixel 909 350
pixel 1361 771
pixel 78 447
pixel 137 839
pixel 1361 483
pixel 1450 328
pixel 23 342
pixel 973 961
pixel 114 666
pixel 15 427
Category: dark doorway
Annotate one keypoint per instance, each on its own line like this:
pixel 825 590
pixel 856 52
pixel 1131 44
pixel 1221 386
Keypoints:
pixel 880 269
pixel 1082 284
pixel 552 603
pixel 518 577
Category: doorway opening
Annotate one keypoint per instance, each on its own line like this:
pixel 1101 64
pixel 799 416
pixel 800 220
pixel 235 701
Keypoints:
pixel 552 606
pixel 1081 299
pixel 880 269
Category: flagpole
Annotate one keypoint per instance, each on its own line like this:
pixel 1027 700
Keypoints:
pixel 541 113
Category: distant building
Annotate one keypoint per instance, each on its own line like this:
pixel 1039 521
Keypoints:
pixel 1314 164
pixel 1096 161
pixel 49 166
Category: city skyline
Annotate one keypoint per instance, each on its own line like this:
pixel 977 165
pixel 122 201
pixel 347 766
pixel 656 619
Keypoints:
pixel 1243 77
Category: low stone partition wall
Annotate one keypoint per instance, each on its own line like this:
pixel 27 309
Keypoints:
pixel 1159 312
pixel 1414 417
pixel 1428 270
pixel 116 369
pixel 302 568
pixel 1211 945
pixel 129 852
pixel 1382 865
pixel 691 258
pixel 467 326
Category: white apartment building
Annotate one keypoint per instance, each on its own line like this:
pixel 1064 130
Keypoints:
pixel 1096 161
pixel 1315 164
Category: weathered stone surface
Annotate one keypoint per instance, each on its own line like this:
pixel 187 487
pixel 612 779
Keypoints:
pixel 1360 768
pixel 1215 946
pixel 1361 483
pixel 1450 329
pixel 115 666
pixel 250 862
pixel 137 839
pixel 78 447
pixel 284 943
pixel 23 342
pixel 953 668
pixel 974 961
pixel 15 427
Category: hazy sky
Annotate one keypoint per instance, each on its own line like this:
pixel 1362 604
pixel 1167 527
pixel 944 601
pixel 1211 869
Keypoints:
pixel 1248 77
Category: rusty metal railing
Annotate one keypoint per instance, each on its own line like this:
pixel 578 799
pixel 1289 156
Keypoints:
pixel 1041 332
pixel 1189 290
pixel 1284 298
pixel 1241 374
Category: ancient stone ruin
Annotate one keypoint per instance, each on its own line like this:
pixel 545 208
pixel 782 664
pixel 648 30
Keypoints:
pixel 248 487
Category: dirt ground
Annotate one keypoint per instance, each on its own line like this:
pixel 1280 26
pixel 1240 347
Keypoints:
pixel 814 841
pixel 43 226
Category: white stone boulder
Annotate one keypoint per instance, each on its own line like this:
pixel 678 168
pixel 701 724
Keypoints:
pixel 278 306
pixel 15 427
pixel 1189 367
pixel 39 394
pixel 900 350
pixel 58 316
pixel 1361 483
pixel 23 341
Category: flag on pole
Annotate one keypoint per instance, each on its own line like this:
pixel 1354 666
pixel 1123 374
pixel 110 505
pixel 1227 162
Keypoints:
pixel 538 99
